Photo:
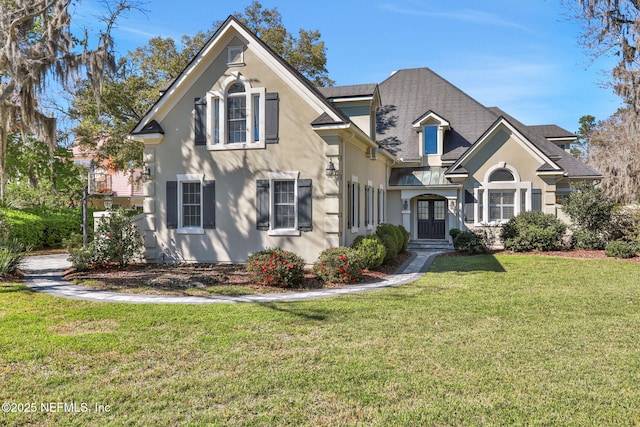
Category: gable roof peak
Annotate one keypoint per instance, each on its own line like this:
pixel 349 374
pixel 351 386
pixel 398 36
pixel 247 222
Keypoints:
pixel 198 65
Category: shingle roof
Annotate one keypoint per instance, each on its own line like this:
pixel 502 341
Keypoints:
pixel 409 94
pixel 350 91
pixel 571 166
pixel 151 127
pixel 552 131
pixel 324 119
pixel 285 64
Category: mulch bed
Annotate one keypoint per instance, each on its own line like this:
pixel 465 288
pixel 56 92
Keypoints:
pixel 189 278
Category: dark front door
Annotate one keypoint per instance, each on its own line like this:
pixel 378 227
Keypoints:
pixel 431 217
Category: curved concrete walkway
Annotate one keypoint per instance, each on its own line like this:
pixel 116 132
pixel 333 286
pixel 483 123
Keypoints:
pixel 44 274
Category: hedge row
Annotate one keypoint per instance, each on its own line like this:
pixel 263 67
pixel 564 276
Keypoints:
pixel 44 227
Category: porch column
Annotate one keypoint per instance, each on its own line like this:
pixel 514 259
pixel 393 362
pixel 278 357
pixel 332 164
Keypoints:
pixel 406 214
pixel 454 215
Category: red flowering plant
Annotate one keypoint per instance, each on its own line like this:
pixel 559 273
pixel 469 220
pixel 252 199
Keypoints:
pixel 339 265
pixel 275 267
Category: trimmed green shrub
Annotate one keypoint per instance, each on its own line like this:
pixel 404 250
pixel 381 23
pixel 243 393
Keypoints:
pixel 45 226
pixel 356 242
pixel 372 251
pixel 404 235
pixel 26 227
pixel 117 240
pixel 4 227
pixel 454 232
pixel 533 230
pixel 275 267
pixel 390 246
pixel 394 238
pixel 587 239
pixel 588 207
pixel 621 249
pixel 12 251
pixel 82 258
pixel 470 242
pixel 339 265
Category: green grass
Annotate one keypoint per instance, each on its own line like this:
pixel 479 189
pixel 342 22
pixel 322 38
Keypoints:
pixel 483 340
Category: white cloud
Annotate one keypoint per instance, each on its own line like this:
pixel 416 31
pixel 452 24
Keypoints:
pixel 463 15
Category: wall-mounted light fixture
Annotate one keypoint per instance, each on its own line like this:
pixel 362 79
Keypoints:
pixel 331 169
pixel 146 174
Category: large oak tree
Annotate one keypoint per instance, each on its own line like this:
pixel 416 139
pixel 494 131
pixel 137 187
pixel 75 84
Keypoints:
pixel 37 48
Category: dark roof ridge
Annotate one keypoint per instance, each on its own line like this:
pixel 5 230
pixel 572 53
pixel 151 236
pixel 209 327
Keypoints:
pixel 441 78
pixel 288 66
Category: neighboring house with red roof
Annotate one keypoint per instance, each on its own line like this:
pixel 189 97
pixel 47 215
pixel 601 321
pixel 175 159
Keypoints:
pixel 244 153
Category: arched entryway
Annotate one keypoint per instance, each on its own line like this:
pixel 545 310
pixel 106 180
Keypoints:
pixel 431 218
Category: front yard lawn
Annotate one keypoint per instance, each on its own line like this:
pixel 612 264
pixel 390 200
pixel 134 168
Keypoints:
pixel 483 340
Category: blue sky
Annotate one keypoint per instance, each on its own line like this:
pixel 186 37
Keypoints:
pixel 522 56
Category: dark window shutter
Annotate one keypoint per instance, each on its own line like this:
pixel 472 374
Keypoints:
pixel 209 204
pixel 262 204
pixel 379 206
pixel 536 199
pixel 305 205
pixel 271 117
pixel 172 204
pixel 366 205
pixel 200 125
pixel 349 204
pixel 374 206
pixel 469 206
pixel 357 190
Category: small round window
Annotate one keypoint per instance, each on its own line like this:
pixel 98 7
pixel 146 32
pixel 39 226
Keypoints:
pixel 501 175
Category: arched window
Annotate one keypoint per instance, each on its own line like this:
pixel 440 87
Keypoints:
pixel 236 113
pixel 501 175
pixel 502 195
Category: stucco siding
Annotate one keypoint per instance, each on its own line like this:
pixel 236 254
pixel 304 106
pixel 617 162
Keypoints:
pixel 367 172
pixel 505 150
pixel 236 172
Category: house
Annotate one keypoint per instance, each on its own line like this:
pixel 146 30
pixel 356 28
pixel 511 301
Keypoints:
pixel 244 153
pixel 123 188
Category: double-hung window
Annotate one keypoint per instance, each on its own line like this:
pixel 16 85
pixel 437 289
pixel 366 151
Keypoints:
pixel 284 204
pixel 368 205
pixel 191 204
pixel 381 198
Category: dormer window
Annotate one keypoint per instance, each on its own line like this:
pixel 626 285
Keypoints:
pixel 430 139
pixel 430 129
